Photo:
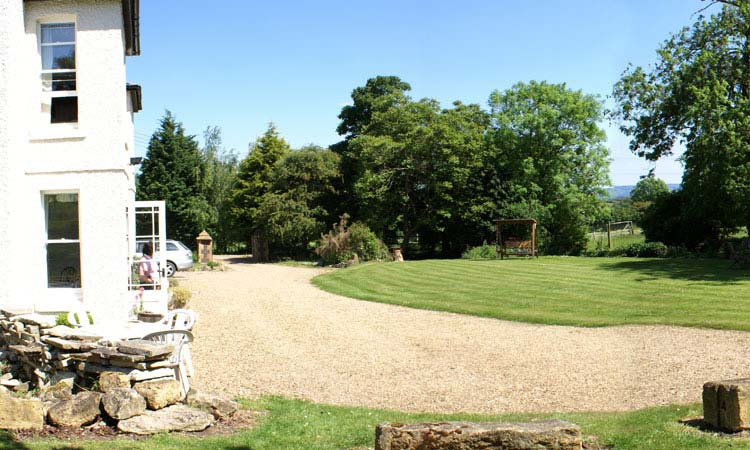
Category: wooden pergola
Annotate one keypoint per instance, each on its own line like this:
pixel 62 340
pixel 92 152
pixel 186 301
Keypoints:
pixel 524 248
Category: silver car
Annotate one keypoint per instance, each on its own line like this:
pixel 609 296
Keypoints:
pixel 178 255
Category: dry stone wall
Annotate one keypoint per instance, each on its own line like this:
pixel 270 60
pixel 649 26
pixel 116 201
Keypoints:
pixel 78 378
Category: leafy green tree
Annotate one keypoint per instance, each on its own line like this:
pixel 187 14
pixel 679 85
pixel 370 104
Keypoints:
pixel 289 222
pixel 173 170
pixel 301 200
pixel 648 189
pixel 255 178
pixel 698 94
pixel 221 171
pixel 417 161
pixel 548 161
pixel 377 95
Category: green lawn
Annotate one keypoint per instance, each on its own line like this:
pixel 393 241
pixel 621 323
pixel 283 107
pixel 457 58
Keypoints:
pixel 294 424
pixel 560 290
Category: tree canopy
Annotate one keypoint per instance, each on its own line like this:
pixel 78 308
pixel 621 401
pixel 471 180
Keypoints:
pixel 550 162
pixel 648 189
pixel 174 170
pixel 255 178
pixel 697 94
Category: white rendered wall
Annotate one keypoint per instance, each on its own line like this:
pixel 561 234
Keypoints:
pixel 90 157
pixel 12 149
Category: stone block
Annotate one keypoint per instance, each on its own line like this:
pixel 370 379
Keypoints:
pixel 160 393
pixel 148 349
pixel 82 409
pixel 219 406
pixel 173 418
pixel 123 403
pixel 547 434
pixel 726 404
pixel 58 391
pixel 113 380
pixel 21 413
pixel 68 345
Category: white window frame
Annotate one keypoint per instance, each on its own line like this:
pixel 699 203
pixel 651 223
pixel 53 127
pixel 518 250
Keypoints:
pixel 47 93
pixel 61 298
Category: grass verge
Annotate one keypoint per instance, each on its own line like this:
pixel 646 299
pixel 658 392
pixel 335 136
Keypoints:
pixel 560 290
pixel 295 424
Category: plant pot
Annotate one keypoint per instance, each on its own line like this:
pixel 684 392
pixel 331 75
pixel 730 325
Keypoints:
pixel 149 317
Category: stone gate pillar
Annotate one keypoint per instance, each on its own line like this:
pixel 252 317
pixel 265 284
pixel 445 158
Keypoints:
pixel 205 247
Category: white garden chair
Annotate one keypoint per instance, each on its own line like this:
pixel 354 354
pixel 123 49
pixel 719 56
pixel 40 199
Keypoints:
pixel 182 319
pixel 179 339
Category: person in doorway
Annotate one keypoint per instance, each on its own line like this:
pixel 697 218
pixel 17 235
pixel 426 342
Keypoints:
pixel 147 273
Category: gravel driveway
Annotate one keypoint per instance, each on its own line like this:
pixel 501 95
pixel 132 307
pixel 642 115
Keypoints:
pixel 264 329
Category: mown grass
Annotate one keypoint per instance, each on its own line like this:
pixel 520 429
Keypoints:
pixel 295 424
pixel 560 290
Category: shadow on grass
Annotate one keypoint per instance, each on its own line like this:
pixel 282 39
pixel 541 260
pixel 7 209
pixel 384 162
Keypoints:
pixel 7 442
pixel 699 270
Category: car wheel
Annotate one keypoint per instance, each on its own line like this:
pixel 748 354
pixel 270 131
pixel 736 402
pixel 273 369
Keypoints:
pixel 171 268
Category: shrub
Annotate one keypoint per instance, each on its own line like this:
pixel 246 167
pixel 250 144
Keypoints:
pixel 365 244
pixel 62 319
pixel 646 250
pixel 346 243
pixel 179 298
pixel 484 251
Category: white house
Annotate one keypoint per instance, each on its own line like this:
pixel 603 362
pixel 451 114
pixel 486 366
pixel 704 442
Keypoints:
pixel 67 181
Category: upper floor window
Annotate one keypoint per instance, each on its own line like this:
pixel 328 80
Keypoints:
pixel 58 47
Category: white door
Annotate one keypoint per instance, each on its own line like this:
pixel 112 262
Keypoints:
pixel 148 227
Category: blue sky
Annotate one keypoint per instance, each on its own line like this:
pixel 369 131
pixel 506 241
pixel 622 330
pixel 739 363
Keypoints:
pixel 241 64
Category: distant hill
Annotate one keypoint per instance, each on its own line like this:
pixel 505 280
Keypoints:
pixel 618 192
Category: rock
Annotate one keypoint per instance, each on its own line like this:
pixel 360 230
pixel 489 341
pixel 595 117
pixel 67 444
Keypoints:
pixel 547 434
pixel 113 380
pixel 218 406
pixel 123 403
pixel 65 332
pixel 21 413
pixel 69 345
pixel 58 391
pixel 113 354
pixel 22 387
pixel 6 376
pixel 149 349
pixel 26 349
pixel 173 418
pixel 726 404
pixel 82 409
pixel 37 320
pixel 141 375
pixel 160 393
pixel 10 382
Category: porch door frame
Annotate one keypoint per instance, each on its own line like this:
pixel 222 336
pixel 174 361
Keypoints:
pixel 154 300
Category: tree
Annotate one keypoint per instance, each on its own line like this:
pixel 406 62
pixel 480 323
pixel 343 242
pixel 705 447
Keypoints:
pixel 648 189
pixel 548 161
pixel 302 199
pixel 255 178
pixel 377 95
pixel 173 170
pixel 221 171
pixel 417 161
pixel 698 94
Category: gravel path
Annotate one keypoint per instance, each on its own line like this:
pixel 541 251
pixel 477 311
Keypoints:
pixel 264 329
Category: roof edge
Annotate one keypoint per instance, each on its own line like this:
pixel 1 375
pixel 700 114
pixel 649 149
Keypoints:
pixel 131 26
pixel 136 97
